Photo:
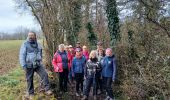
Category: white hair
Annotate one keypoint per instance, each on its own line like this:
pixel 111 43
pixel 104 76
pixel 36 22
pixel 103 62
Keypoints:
pixel 61 46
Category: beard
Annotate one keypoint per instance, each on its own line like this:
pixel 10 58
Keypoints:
pixel 32 39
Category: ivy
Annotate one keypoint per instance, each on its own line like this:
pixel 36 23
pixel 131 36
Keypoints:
pixel 91 36
pixel 76 20
pixel 113 21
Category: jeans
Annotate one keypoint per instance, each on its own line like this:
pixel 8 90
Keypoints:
pixel 29 77
pixel 90 81
pixel 63 79
pixel 107 82
pixel 79 81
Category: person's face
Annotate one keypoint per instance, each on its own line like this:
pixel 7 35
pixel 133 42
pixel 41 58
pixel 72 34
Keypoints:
pixel 78 53
pixel 93 55
pixel 31 36
pixel 84 49
pixel 99 47
pixel 62 49
pixel 108 52
pixel 78 45
pixel 67 49
pixel 71 49
pixel 100 52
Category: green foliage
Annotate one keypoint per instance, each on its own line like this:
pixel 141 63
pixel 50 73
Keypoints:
pixel 8 82
pixel 11 79
pixel 76 19
pixel 143 69
pixel 91 36
pixel 11 85
pixel 113 21
pixel 131 51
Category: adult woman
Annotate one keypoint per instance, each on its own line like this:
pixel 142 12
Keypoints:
pixel 100 56
pixel 109 72
pixel 61 63
pixel 72 54
pixel 85 52
pixel 91 70
pixel 78 65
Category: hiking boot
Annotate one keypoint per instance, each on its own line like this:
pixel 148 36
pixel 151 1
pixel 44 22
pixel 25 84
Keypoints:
pixel 29 96
pixel 107 98
pixel 49 92
pixel 81 93
pixel 94 98
pixel 111 98
pixel 77 94
pixel 84 97
pixel 99 92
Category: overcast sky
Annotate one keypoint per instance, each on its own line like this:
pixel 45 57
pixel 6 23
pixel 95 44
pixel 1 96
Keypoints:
pixel 10 19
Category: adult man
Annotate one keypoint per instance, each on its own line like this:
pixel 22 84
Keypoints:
pixel 78 46
pixel 31 61
pixel 100 53
pixel 99 46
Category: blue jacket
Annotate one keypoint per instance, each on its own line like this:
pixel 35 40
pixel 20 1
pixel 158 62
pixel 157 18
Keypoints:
pixel 78 65
pixel 109 67
pixel 29 54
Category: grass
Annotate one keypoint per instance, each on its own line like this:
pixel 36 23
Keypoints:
pixel 12 76
pixel 8 44
pixel 9 51
pixel 12 85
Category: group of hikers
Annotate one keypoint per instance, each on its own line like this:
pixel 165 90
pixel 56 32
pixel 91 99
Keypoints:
pixel 95 69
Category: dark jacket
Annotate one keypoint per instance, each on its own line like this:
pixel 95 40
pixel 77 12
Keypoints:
pixel 93 68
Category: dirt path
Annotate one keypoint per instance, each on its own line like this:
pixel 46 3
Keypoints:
pixel 71 94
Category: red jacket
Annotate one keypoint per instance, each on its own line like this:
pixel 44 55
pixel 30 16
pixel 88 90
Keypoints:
pixel 86 54
pixel 72 53
pixel 57 62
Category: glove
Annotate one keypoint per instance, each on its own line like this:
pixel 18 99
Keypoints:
pixel 85 77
